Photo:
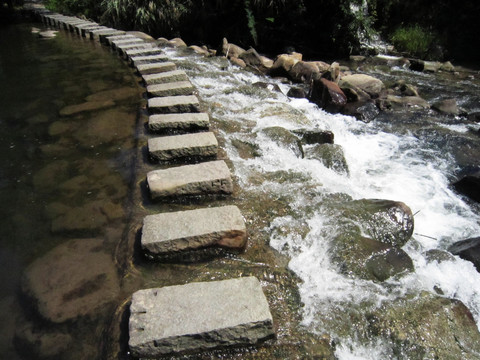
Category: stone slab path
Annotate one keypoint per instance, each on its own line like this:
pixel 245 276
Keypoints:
pixel 154 68
pixel 198 316
pixel 211 177
pixel 192 229
pixel 165 77
pixel 183 122
pixel 173 104
pixel 197 145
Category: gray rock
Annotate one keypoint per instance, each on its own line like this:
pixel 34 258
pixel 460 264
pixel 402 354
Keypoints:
pixel 181 146
pixel 165 77
pixel 330 155
pixel 185 122
pixel 110 39
pixel 205 178
pixel 98 34
pixel 156 67
pixel 171 89
pixel 198 316
pixel 146 59
pixel 447 106
pixel 469 250
pixel 120 41
pixel 131 53
pixel 173 104
pixel 221 226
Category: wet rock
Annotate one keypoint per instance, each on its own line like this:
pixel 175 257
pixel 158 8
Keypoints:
pixel 438 256
pixel 284 138
pixel 366 112
pixel 390 60
pixel 269 86
pixel 447 66
pixel 303 71
pixel 199 50
pixel 392 262
pixel 74 279
pixel 372 86
pixel 333 72
pixel 427 327
pixel 229 50
pixel 238 62
pixel 327 95
pixel 246 149
pixel 357 58
pixel 469 185
pixel 49 176
pixel 87 106
pixel 447 106
pixel 404 89
pixel 312 137
pixel 400 102
pixel 296 92
pixel 330 155
pixel 474 117
pixel 283 64
pixel 253 59
pixel 469 250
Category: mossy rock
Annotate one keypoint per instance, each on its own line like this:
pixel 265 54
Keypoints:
pixel 284 138
pixel 330 155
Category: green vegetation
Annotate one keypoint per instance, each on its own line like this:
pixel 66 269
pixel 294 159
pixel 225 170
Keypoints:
pixel 413 40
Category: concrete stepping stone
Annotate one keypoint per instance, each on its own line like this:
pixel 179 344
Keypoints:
pixel 198 316
pixel 183 122
pixel 139 60
pixel 197 145
pixel 85 31
pixel 193 229
pixel 96 34
pixel 211 177
pixel 173 104
pixel 78 28
pixel 126 41
pixel 155 68
pixel 130 53
pixel 171 89
pixel 123 48
pixel 109 39
pixel 165 77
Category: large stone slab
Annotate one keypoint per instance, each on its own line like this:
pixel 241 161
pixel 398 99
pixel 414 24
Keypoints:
pixel 221 226
pixel 165 77
pixel 78 28
pixel 168 148
pixel 141 45
pixel 95 34
pixel 156 67
pixel 147 59
pixel 211 177
pixel 85 31
pixel 171 89
pixel 125 41
pixel 173 104
pixel 198 316
pixel 182 122
pixel 131 53
pixel 109 39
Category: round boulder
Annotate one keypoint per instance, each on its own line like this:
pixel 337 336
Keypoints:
pixel 372 86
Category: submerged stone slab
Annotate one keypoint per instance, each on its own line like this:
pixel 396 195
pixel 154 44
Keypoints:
pixel 221 226
pixel 211 177
pixel 147 59
pixel 173 104
pixel 198 316
pixel 156 67
pixel 165 77
pixel 184 122
pixel 171 89
pixel 181 146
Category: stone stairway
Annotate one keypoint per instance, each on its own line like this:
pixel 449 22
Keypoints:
pixel 195 316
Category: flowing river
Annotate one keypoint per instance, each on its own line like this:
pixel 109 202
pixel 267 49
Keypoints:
pixel 293 205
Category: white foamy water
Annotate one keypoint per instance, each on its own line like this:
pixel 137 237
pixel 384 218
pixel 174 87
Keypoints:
pixel 381 165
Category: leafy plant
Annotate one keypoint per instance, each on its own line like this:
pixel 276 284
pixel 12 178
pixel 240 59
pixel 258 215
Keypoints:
pixel 414 40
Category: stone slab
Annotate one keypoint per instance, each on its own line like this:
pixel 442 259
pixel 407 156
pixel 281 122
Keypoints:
pixel 96 34
pixel 124 48
pixel 198 316
pixel 168 148
pixel 211 177
pixel 142 52
pixel 86 31
pixel 147 59
pixel 171 89
pixel 78 28
pixel 156 67
pixel 109 39
pixel 193 229
pixel 173 104
pixel 126 41
pixel 183 122
pixel 165 77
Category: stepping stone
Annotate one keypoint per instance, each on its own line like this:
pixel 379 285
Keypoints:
pixel 171 89
pixel 173 104
pixel 221 226
pixel 122 48
pixel 109 39
pixel 211 177
pixel 165 77
pixel 154 68
pixel 78 28
pixel 198 316
pixel 142 52
pixel 182 146
pixel 95 34
pixel 183 122
pixel 126 41
pixel 86 31
pixel 139 60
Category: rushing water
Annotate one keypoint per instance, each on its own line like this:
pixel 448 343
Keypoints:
pixel 409 156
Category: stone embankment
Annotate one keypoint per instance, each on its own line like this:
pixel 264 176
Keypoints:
pixel 196 316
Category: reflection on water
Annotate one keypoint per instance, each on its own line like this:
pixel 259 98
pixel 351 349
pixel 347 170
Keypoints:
pixel 68 112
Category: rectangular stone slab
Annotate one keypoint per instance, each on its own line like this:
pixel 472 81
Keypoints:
pixel 156 67
pixel 193 229
pixel 142 52
pixel 86 31
pixel 173 104
pixel 123 49
pixel 198 316
pixel 211 177
pixel 110 39
pixel 165 77
pixel 168 148
pixel 139 60
pixel 184 122
pixel 125 41
pixel 171 89
pixel 95 34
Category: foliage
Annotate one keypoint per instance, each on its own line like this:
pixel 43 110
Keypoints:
pixel 414 40
pixel 89 8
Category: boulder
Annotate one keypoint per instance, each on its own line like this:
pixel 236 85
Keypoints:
pixel 333 72
pixel 372 86
pixel 469 250
pixel 315 136
pixel 389 263
pixel 366 112
pixel 284 138
pixel 327 95
pixel 330 155
pixel 447 107
pixel 303 71
pixel 283 64
pixel 447 66
pixel 297 92
pixel 238 62
pixel 398 102
pixel 177 42
pixel 404 89
pixel 253 59
pixel 74 279
pixel 229 50
pixel 199 50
